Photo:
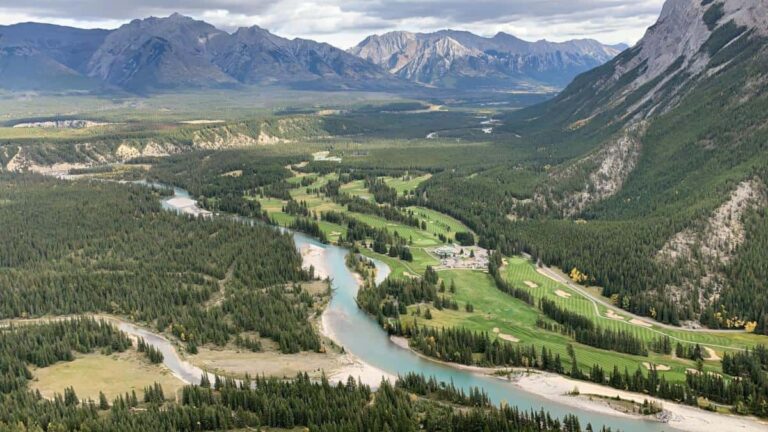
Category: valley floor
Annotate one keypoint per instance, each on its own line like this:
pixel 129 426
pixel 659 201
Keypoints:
pixel 494 312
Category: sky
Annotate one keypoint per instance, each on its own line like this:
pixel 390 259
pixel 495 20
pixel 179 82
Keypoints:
pixel 344 23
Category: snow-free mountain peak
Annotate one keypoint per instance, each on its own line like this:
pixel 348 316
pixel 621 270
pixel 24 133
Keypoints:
pixel 461 59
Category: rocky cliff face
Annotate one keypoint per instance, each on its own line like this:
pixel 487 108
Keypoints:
pixel 456 58
pixel 692 40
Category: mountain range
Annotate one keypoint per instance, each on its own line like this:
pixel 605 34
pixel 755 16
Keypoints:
pixel 175 52
pixel 461 59
pixel 178 52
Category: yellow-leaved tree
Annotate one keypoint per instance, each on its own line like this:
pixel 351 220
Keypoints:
pixel 577 276
pixel 750 326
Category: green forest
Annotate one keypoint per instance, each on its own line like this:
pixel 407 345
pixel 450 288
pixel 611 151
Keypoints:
pixel 103 247
pixel 410 404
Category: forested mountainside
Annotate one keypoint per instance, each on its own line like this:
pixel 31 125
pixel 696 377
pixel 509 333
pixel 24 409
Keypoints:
pixel 462 60
pixel 654 171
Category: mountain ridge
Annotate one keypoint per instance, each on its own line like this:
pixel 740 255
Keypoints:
pixel 175 52
pixel 444 57
pixel 179 52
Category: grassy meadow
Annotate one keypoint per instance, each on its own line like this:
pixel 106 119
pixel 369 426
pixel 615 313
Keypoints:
pixel 114 375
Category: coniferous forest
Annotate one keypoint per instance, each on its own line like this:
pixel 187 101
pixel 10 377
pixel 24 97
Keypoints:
pixel 106 248
pixel 226 404
pixel 101 247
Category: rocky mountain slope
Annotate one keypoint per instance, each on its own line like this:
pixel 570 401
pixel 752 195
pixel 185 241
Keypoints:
pixel 461 59
pixel 158 52
pixel 175 52
pixel 178 52
pixel 693 40
pixel 253 55
pixel 47 56
pixel 668 142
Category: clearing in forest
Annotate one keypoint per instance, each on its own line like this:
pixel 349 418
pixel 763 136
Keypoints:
pixel 114 375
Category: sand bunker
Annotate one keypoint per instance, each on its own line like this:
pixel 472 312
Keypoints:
pixel 659 367
pixel 530 284
pixel 612 315
pixel 506 337
pixel 711 354
pixel 563 294
pixel 640 322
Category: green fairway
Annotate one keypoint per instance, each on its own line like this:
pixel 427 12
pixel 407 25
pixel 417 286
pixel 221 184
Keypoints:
pixel 400 268
pixel 417 238
pixel 519 270
pixel 357 188
pixel 495 310
pixel 406 183
pixel 439 223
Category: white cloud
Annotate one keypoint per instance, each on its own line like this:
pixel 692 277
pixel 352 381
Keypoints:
pixel 9 16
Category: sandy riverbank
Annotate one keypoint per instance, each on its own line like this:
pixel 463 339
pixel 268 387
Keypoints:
pixel 557 388
pixel 359 370
pixel 188 206
pixel 352 365
pixel 312 255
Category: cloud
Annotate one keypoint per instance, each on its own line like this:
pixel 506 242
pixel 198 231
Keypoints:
pixel 346 22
